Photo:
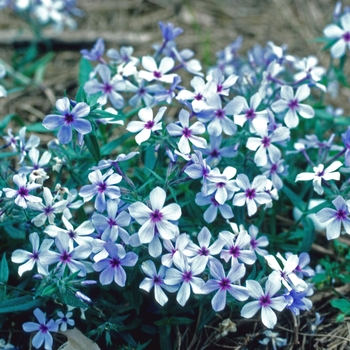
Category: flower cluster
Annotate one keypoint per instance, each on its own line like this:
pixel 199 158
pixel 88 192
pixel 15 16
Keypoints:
pixel 122 205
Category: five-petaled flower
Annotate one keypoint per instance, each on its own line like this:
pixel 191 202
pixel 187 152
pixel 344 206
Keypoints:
pixel 68 119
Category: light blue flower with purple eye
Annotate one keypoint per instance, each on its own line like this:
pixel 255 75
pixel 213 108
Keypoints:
pixel 43 328
pixel 112 267
pixel 225 284
pixel 265 301
pixel 335 218
pixel 68 119
pixel 102 186
pixel 169 32
pixel 96 53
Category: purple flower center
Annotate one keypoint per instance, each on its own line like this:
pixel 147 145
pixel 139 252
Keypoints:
pixel 71 234
pixel 293 104
pixel 266 141
pixel 48 210
pixel 157 280
pixel 149 124
pixel 346 36
pixel 250 114
pixel 43 328
pixel 320 173
pixel 198 97
pixel 340 214
pixel 69 118
pixel 65 257
pixel 64 319
pixel 273 169
pixel 253 243
pixel 23 191
pixel 224 283
pixel 186 132
pixel 219 113
pixel 214 153
pixel 157 74
pixel 142 91
pixel 220 184
pixel 107 88
pixel 101 187
pixel 235 251
pixel 250 193
pixel 203 251
pixel 265 300
pixel 34 256
pixel 219 88
pixel 187 276
pixel 156 216
pixel 114 263
pixel 111 222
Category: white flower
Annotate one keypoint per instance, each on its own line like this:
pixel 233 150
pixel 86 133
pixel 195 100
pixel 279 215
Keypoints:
pixel 320 173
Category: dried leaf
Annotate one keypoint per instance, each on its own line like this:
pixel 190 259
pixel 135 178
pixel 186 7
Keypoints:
pixel 77 341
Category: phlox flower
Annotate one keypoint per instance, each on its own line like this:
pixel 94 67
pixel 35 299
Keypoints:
pixel 263 145
pixel 256 244
pixel 211 212
pixel 36 162
pixel 147 123
pixel 339 33
pixel 225 284
pixel 68 255
pixel 222 84
pixel 48 210
pixel 111 225
pixel 185 275
pixel 204 248
pixel 178 247
pixel 156 279
pixel 31 258
pixel 297 301
pixel 168 94
pixel 320 173
pixel 11 140
pixel 273 170
pixel 64 320
pixel 286 274
pixel 107 88
pixel 68 119
pixel 249 113
pixel 43 328
pixel 80 235
pixel 112 267
pixel 144 94
pixel 124 55
pixel 292 103
pixel 276 341
pixel 22 194
pixel 215 152
pixel 253 193
pixel 188 133
pixel 216 115
pixel 169 32
pixel 265 301
pixel 104 164
pixel 224 189
pixel 346 140
pixel 153 72
pixel 156 217
pixel 96 53
pixel 335 219
pixel 237 248
pixel 302 268
pixel 72 203
pixel 102 186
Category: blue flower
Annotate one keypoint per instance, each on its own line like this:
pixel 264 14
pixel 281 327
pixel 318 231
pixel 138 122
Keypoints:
pixel 43 328
pixel 68 119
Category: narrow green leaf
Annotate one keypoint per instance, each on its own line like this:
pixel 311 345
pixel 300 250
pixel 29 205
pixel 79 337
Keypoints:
pixel 93 146
pixel 295 199
pixel 19 306
pixel 309 234
pixel 4 269
pixel 111 146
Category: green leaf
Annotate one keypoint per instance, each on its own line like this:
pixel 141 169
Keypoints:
pixel 93 146
pixel 85 68
pixel 14 232
pixel 309 234
pixel 19 304
pixel 80 95
pixel 4 270
pixel 36 127
pixel 150 158
pixel 295 199
pixel 108 148
pixel 342 304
